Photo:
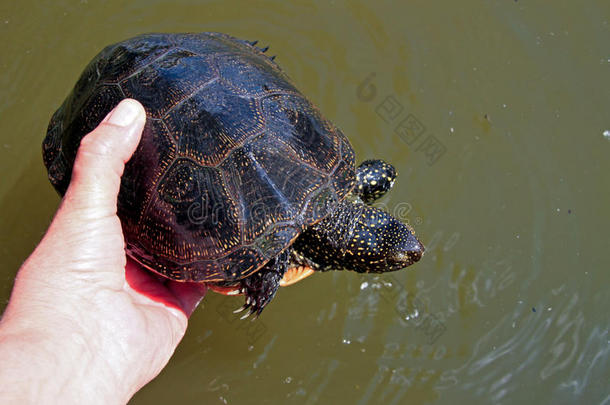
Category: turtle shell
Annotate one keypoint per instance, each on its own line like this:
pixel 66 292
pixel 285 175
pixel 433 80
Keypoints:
pixel 234 162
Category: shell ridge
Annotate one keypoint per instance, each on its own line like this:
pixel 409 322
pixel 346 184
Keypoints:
pixel 141 68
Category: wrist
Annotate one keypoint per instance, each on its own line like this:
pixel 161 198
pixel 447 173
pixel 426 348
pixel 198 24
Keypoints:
pixel 41 365
pixel 49 356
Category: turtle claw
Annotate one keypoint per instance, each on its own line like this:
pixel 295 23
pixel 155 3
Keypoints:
pixel 265 49
pixel 253 306
pixel 249 304
pixel 247 314
pixel 257 313
pixel 260 288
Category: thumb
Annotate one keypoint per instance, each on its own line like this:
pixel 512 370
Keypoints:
pixel 101 158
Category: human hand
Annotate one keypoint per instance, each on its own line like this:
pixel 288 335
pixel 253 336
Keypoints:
pixel 84 322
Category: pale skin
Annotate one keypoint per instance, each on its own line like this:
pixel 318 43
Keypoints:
pixel 84 323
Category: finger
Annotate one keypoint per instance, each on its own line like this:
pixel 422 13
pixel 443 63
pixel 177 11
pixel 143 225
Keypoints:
pixel 101 158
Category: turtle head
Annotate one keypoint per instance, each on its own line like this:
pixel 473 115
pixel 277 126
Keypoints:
pixel 382 243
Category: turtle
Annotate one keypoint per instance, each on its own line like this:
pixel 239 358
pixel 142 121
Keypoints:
pixel 239 181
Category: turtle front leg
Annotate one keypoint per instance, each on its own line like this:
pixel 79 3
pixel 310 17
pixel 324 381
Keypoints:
pixel 260 287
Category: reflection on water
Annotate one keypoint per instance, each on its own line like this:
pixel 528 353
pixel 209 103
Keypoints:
pixel 493 114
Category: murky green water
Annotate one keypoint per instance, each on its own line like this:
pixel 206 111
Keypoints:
pixel 493 113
